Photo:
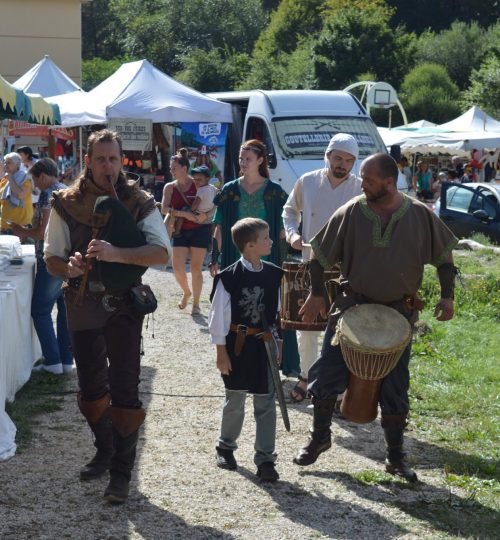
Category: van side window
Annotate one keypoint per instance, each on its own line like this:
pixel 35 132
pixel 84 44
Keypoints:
pixel 257 129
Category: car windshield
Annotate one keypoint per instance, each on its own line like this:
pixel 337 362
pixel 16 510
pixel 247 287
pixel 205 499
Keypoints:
pixel 307 138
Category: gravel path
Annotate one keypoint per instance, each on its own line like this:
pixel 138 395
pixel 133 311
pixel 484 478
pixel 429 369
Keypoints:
pixel 177 492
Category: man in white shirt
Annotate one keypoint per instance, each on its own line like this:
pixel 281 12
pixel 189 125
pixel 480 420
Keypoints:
pixel 313 200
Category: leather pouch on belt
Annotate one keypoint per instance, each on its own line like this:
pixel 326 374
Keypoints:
pixel 240 341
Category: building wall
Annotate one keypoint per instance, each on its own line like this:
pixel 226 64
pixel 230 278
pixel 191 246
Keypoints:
pixel 30 29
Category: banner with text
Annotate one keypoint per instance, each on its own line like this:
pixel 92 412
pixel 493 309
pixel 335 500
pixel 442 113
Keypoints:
pixel 136 134
pixel 206 144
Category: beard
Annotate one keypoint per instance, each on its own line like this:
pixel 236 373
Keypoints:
pixel 339 173
pixel 374 196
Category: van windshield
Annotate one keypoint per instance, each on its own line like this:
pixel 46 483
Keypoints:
pixel 307 138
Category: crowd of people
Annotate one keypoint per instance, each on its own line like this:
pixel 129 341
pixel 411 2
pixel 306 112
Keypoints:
pixel 99 236
pixel 426 182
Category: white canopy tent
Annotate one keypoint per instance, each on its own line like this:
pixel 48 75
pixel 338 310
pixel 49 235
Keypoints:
pixel 78 109
pixel 139 90
pixel 472 130
pixel 46 79
pixel 474 120
pixel 417 125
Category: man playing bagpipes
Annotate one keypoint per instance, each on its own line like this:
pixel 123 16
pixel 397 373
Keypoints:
pixel 102 234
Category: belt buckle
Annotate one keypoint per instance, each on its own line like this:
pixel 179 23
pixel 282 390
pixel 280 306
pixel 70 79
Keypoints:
pixel 242 329
pixel 105 303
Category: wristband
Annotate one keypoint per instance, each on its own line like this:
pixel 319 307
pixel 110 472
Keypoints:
pixel 316 272
pixel 446 274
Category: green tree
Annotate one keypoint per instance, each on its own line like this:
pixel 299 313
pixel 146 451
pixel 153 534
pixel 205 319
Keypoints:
pixel 459 49
pixel 429 93
pixel 354 41
pixel 484 90
pixel 292 21
pixel 298 72
pixel 213 71
pixel 99 31
pixel 96 70
pixel 492 40
pixel 165 31
pixel 439 14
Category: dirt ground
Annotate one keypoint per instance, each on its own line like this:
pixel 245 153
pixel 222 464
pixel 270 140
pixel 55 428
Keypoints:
pixel 178 492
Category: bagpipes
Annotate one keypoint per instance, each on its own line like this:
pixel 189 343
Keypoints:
pixel 114 223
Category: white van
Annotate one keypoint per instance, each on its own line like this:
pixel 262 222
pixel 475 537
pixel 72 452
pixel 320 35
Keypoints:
pixel 296 126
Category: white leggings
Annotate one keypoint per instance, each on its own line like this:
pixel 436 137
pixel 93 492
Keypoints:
pixel 307 342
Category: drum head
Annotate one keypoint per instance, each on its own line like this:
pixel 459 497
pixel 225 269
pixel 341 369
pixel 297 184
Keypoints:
pixel 374 326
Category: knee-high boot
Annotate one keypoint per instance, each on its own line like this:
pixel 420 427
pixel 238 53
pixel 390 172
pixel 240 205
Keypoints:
pixel 320 438
pixel 98 420
pixel 394 426
pixel 126 424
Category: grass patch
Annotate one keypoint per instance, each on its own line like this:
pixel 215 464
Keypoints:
pixel 483 239
pixel 40 395
pixel 372 477
pixel 455 384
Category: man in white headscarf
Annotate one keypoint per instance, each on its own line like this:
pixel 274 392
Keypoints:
pixel 313 200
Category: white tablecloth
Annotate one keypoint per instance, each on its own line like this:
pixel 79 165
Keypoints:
pixel 19 346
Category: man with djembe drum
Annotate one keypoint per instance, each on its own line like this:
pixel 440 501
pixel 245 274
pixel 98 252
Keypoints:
pixel 103 233
pixel 368 237
pixel 314 198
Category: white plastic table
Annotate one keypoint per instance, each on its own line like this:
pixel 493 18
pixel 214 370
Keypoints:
pixel 19 345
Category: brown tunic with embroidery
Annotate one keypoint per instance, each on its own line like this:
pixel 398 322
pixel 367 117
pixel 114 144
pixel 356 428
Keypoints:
pixel 383 266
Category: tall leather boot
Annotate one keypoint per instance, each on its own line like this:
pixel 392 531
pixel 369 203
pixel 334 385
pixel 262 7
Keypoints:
pixel 126 424
pixel 395 463
pixel 98 420
pixel 320 438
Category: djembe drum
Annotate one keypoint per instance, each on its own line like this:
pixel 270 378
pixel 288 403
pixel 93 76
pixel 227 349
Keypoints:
pixel 372 338
pixel 294 292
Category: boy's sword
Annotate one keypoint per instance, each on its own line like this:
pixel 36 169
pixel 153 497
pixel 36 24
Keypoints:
pixel 272 359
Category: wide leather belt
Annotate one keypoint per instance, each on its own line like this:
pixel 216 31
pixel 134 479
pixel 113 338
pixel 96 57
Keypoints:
pixel 110 302
pixel 242 331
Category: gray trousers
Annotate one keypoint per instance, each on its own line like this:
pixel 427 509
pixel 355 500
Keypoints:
pixel 233 414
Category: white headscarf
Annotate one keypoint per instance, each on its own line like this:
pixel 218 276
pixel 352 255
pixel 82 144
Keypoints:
pixel 343 142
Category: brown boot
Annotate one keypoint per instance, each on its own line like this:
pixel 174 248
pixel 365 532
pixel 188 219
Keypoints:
pixel 126 424
pixel 395 463
pixel 320 438
pixel 96 414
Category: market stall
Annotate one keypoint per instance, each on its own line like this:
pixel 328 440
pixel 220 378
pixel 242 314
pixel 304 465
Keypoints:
pixel 19 346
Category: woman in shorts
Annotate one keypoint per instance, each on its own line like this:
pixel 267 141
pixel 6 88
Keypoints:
pixel 194 236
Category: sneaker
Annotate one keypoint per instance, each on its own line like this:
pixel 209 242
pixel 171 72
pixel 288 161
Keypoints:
pixel 267 473
pixel 68 368
pixel 225 459
pixel 55 369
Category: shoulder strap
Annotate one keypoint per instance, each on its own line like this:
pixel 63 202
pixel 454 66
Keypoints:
pixel 182 194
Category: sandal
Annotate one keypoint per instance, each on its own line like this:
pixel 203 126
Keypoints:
pixel 300 393
pixel 184 301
